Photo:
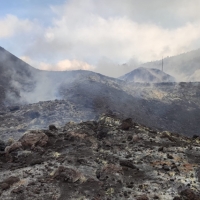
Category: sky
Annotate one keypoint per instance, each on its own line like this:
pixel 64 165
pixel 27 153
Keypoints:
pixel 98 35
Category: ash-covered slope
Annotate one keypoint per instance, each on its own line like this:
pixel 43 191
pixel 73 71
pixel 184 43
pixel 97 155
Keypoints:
pixel 21 83
pixel 176 106
pixel 147 75
pixel 170 106
pixel 16 76
pixel 165 106
pixel 106 159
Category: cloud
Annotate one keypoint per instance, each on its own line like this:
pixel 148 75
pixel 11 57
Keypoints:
pixel 27 60
pixel 113 69
pixel 102 35
pixel 62 65
pixel 10 26
pixel 83 31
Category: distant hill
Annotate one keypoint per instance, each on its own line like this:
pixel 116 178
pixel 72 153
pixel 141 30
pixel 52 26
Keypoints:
pixel 147 75
pixel 184 67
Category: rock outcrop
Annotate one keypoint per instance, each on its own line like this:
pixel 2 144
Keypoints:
pixel 33 139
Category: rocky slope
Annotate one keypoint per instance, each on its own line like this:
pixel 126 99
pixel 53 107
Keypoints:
pixel 173 107
pixel 20 83
pixel 147 75
pixel 164 106
pixel 16 76
pixel 106 159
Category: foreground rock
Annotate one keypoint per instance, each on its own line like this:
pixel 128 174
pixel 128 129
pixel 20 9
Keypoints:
pixel 105 159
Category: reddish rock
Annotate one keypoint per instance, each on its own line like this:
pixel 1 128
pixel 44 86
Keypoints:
pixel 143 197
pixel 126 124
pixel 189 194
pixel 34 138
pixel 12 147
pixel 4 186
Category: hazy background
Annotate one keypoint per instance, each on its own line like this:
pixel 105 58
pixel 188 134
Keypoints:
pixel 100 35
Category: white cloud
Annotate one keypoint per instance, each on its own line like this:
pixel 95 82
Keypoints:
pixel 27 60
pixel 12 26
pixel 105 34
pixel 62 65
pixel 83 31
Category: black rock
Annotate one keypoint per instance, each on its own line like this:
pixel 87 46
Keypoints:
pixel 52 127
pixel 2 145
pixel 4 186
pixel 198 174
pixel 126 124
pixel 130 138
pixel 2 113
pixel 102 133
pixel 166 167
pixel 170 156
pixel 176 198
pixel 127 163
pixel 36 161
pixel 14 108
pixel 49 133
pixel 143 197
pixel 8 182
pixel 160 149
pixel 98 173
pixel 32 114
pixel 195 136
pixel 189 194
pixel 18 190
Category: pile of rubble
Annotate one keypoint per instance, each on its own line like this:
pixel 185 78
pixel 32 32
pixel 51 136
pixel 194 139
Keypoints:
pixel 105 159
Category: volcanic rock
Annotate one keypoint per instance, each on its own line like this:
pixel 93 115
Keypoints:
pixel 76 163
pixel 189 194
pixel 2 145
pixel 4 186
pixel 127 163
pixel 32 114
pixel 52 127
pixel 126 124
pixel 8 182
pixel 14 108
pixel 12 147
pixel 143 197
pixel 34 138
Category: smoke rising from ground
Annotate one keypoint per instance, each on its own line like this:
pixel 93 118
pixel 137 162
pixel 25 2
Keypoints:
pixel 32 85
